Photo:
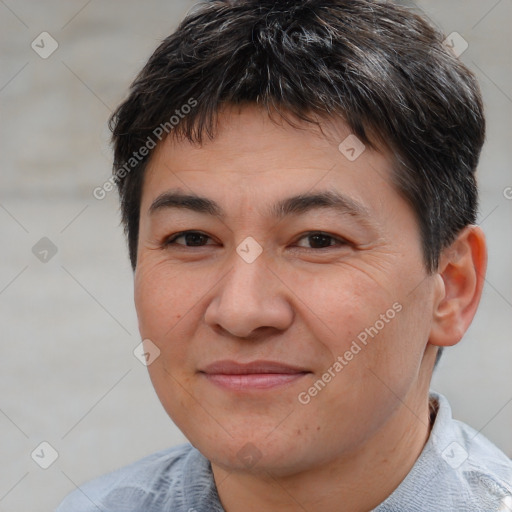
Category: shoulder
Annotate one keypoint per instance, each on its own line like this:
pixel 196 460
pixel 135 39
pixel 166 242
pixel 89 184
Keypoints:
pixel 146 484
pixel 481 467
pixel 471 469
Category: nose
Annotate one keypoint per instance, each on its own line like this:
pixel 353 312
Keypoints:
pixel 251 296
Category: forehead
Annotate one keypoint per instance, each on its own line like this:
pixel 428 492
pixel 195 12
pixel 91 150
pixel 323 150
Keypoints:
pixel 259 159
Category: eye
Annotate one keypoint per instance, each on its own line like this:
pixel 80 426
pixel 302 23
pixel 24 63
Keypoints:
pixel 317 240
pixel 320 240
pixel 191 238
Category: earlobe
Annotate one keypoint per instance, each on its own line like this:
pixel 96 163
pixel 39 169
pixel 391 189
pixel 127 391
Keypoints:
pixel 458 286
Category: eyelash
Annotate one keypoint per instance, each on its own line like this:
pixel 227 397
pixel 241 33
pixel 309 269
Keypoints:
pixel 341 242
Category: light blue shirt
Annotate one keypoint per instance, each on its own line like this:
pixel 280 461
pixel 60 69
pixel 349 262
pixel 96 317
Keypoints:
pixel 459 470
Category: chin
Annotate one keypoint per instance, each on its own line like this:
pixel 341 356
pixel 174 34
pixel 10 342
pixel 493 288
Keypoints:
pixel 279 455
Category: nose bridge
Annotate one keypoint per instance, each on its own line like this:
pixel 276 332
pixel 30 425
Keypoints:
pixel 249 273
pixel 249 296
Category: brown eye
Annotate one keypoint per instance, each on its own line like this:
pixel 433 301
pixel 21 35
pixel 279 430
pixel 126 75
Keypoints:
pixel 322 240
pixel 191 238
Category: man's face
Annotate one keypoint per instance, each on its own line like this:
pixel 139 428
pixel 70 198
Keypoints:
pixel 345 284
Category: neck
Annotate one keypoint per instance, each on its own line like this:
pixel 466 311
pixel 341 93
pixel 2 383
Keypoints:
pixel 358 482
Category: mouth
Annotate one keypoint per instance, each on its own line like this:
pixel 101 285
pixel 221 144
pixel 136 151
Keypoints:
pixel 255 375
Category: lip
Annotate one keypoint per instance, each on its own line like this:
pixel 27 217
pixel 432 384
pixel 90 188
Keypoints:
pixel 229 367
pixel 253 375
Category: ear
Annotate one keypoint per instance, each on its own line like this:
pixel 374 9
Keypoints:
pixel 458 287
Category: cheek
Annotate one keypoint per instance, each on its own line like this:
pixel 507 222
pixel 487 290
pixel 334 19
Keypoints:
pixel 372 325
pixel 343 303
pixel 161 299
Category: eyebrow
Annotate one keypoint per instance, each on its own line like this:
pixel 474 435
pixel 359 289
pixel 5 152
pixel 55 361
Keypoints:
pixel 294 205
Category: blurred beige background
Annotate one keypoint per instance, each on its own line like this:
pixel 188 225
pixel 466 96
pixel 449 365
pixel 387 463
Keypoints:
pixel 67 373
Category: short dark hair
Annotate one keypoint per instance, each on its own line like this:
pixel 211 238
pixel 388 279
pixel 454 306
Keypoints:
pixel 378 66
